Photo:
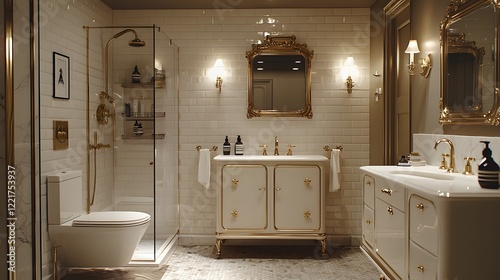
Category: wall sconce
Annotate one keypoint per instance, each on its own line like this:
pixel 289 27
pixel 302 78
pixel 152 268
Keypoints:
pixel 412 49
pixel 348 71
pixel 425 66
pixel 218 67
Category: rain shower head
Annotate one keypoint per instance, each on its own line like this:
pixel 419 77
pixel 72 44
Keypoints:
pixel 136 43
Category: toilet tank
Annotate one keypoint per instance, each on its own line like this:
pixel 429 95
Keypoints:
pixel 64 196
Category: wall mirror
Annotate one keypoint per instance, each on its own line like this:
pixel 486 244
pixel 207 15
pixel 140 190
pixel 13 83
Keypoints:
pixel 469 59
pixel 279 78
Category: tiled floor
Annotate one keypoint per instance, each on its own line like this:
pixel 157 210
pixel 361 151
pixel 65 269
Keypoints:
pixel 248 262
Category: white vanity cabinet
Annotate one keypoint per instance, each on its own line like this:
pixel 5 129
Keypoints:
pixel 443 226
pixel 270 197
pixel 368 212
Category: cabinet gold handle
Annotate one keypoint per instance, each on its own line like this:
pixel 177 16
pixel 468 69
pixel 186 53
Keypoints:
pixel 151 163
pixel 278 189
pixel 387 191
pixel 390 210
pixel 234 183
pixel 420 206
pixel 307 214
pixel 234 213
pixel 368 183
pixel 307 182
pixel 368 221
pixel 420 268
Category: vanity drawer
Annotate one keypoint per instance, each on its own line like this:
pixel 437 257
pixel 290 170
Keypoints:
pixel 422 264
pixel 369 191
pixel 423 223
pixel 392 194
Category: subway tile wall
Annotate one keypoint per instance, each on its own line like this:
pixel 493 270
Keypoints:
pixel 206 117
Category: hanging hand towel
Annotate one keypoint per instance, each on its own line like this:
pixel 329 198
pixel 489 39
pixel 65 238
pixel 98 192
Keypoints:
pixel 204 168
pixel 334 170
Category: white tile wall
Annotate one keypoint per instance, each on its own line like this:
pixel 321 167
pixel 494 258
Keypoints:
pixel 206 117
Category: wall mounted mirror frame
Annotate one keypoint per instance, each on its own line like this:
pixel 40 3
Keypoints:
pixel 280 92
pixel 479 104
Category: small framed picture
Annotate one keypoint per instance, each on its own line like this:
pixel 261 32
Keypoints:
pixel 61 76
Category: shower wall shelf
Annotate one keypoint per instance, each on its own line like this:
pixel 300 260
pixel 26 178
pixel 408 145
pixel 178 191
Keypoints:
pixel 157 136
pixel 148 116
pixel 141 85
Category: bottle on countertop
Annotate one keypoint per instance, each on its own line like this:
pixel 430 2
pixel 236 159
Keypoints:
pixel 226 147
pixel 488 169
pixel 238 147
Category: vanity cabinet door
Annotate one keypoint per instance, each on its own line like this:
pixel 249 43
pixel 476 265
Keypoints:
pixel 390 235
pixel 423 223
pixel 368 226
pixel 422 264
pixel 244 197
pixel 297 198
pixel 369 191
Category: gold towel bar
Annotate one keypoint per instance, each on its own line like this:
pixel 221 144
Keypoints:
pixel 214 148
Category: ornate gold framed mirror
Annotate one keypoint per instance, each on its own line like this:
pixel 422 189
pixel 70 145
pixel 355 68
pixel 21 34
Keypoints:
pixel 279 78
pixel 469 63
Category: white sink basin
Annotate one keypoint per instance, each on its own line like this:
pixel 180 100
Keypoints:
pixel 261 158
pixel 423 174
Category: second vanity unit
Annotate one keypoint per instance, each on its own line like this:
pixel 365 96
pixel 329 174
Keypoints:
pixel 270 197
pixel 424 223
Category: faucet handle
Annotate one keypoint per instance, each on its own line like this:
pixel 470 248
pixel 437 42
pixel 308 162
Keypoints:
pixel 444 165
pixel 468 167
pixel 264 152
pixel 290 146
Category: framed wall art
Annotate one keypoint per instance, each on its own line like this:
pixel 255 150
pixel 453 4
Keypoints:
pixel 61 76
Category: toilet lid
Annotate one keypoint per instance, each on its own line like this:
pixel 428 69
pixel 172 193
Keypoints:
pixel 112 219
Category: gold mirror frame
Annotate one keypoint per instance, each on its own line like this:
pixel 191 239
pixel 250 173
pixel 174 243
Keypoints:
pixel 280 45
pixel 456 10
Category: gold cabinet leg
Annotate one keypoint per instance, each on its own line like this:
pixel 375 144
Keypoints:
pixel 218 243
pixel 323 247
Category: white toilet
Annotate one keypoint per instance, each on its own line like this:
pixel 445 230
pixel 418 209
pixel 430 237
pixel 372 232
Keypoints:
pixel 98 239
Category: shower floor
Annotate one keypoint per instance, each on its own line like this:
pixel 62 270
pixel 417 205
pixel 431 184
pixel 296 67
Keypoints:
pixel 146 253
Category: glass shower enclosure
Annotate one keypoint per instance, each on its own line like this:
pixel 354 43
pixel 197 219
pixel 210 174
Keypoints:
pixel 132 83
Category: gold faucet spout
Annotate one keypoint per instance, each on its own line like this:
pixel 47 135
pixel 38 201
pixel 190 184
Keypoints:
pixel 452 168
pixel 276 151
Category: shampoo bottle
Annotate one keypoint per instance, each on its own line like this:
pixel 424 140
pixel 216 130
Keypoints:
pixel 488 169
pixel 136 76
pixel 238 147
pixel 226 147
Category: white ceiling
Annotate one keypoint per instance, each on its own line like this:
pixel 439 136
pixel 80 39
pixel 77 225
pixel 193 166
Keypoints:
pixel 234 4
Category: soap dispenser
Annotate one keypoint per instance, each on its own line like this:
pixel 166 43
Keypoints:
pixel 488 169
pixel 136 76
pixel 226 147
pixel 238 147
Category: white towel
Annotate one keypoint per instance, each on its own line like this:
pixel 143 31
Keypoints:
pixel 204 168
pixel 334 170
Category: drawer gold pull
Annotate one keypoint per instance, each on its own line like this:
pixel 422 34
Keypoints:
pixel 307 182
pixel 420 206
pixel 262 189
pixel 390 210
pixel 234 213
pixel 368 221
pixel 420 268
pixel 234 183
pixel 368 183
pixel 278 189
pixel 387 191
pixel 307 214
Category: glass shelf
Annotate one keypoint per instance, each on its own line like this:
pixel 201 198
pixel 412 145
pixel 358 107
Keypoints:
pixel 142 85
pixel 144 136
pixel 143 116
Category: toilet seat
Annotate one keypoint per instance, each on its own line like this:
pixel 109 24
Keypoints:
pixel 112 219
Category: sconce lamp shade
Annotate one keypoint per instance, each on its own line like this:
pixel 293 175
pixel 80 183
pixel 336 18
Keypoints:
pixel 218 63
pixel 412 47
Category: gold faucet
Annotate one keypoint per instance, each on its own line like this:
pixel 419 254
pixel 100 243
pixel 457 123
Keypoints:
pixel 452 168
pixel 276 152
